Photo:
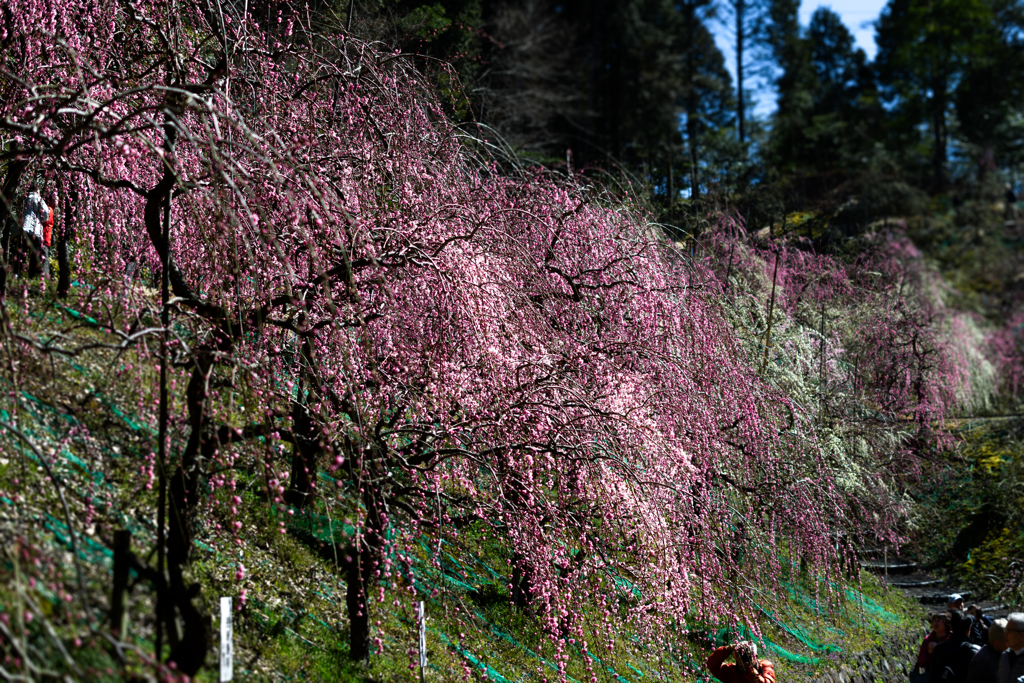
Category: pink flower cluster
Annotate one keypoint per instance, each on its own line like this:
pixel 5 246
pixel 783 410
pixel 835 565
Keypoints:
pixel 459 342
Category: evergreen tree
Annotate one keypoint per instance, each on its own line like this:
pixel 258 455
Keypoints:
pixel 444 36
pixel 707 94
pixel 925 49
pixel 629 57
pixel 610 81
pixel 990 95
pixel 828 109
pixel 530 90
pixel 844 108
pixel 745 20
pixel 789 51
pixel 589 81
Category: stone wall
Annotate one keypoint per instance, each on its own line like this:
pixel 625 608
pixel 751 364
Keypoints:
pixel 888 662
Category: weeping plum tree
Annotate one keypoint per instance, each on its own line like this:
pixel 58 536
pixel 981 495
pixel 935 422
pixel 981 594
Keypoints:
pixel 867 347
pixel 355 291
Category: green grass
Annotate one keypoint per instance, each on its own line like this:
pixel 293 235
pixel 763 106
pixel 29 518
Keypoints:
pixel 292 624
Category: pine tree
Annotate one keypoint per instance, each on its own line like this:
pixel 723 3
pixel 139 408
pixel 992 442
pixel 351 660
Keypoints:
pixel 990 94
pixel 746 21
pixel 924 51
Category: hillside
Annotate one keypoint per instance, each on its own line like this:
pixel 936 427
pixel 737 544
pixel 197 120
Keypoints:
pixel 316 348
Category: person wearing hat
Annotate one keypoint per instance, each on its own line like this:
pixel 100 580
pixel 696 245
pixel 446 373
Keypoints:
pixel 955 603
pixel 747 668
pixel 951 659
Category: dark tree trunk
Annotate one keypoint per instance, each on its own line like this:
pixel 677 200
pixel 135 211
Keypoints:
pixel 740 7
pixel 522 585
pixel 939 132
pixel 307 444
pixel 15 169
pixel 187 628
pixel 306 449
pixel 355 600
pixel 119 594
pixel 671 183
pixel 691 99
pixel 66 233
pixel 189 648
pixel 184 484
pixel 152 218
pixel 363 562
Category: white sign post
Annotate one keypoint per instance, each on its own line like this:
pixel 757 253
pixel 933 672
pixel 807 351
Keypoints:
pixel 421 617
pixel 227 652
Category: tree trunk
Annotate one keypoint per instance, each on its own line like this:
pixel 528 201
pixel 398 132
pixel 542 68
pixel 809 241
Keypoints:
pixel 184 484
pixel 307 444
pixel 65 234
pixel 189 653
pixel 358 579
pixel 119 594
pixel 740 7
pixel 15 169
pixel 306 449
pixel 189 637
pixel 154 225
pixel 939 131
pixel 691 99
pixel 363 562
pixel 671 184
pixel 522 585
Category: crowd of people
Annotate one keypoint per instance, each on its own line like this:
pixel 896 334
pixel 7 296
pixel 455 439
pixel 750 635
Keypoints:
pixel 966 646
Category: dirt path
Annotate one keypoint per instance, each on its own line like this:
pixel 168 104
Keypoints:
pixel 931 592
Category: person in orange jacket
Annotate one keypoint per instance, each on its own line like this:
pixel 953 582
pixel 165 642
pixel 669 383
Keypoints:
pixel 48 237
pixel 747 668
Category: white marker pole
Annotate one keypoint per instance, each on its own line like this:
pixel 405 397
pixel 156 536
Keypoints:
pixel 421 616
pixel 227 652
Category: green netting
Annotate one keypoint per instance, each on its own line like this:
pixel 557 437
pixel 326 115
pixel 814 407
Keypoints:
pixel 472 574
pixel 870 605
pixel 612 671
pixel 321 528
pixel 469 574
pixel 477 663
pixel 80 316
pixel 88 549
pixel 722 636
pixel 795 631
pixel 462 576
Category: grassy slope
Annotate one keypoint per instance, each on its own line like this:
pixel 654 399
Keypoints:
pixel 292 625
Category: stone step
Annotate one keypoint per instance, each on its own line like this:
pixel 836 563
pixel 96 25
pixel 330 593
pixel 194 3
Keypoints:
pixel 903 584
pixel 891 566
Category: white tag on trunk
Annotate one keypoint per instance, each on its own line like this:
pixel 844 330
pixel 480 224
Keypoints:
pixel 421 616
pixel 227 653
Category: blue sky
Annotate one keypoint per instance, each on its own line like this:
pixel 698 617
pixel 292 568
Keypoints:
pixel 858 15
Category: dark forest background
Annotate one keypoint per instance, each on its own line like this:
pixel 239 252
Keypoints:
pixel 639 88
pixel 926 140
